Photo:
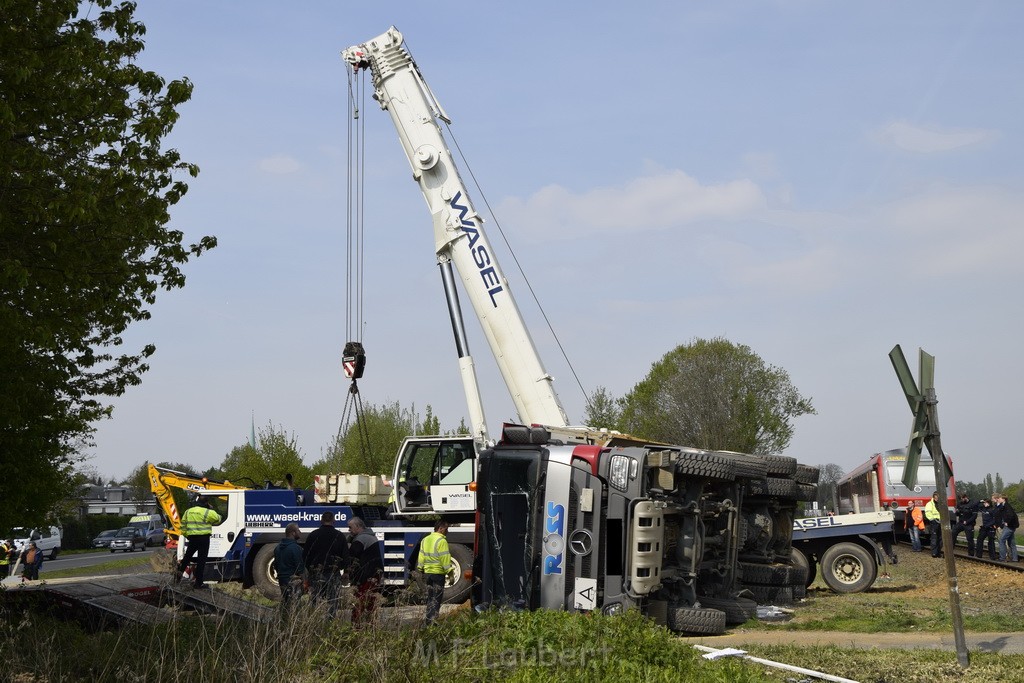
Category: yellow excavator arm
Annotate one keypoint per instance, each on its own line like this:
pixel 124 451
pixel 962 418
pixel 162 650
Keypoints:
pixel 162 480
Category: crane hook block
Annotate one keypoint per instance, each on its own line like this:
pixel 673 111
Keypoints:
pixel 353 359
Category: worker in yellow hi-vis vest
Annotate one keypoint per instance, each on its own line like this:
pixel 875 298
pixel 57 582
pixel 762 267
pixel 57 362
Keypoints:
pixel 197 525
pixel 435 562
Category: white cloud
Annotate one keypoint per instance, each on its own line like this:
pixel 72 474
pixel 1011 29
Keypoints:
pixel 957 230
pixel 654 202
pixel 280 165
pixel 930 139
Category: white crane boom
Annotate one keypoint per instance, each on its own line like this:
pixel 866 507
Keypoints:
pixel 459 237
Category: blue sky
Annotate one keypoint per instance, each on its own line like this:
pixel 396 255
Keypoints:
pixel 818 181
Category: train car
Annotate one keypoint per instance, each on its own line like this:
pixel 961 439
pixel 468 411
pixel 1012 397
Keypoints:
pixel 877 485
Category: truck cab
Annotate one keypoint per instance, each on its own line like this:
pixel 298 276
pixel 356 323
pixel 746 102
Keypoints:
pixel 585 528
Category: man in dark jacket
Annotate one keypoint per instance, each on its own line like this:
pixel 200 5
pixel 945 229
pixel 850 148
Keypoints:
pixel 986 530
pixel 288 563
pixel 325 555
pixel 1006 523
pixel 966 518
pixel 366 570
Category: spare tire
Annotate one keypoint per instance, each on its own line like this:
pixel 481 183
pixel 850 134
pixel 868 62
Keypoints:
pixel 696 620
pixel 737 610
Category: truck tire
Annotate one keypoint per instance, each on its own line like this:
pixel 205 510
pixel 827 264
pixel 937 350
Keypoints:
pixel 748 466
pixel 806 474
pixel 808 492
pixel 737 610
pixel 766 574
pixel 802 565
pixel 780 487
pixel 457 591
pixel 848 568
pixel 696 620
pixel 771 595
pixel 780 465
pixel 53 553
pixel 710 466
pixel 264 575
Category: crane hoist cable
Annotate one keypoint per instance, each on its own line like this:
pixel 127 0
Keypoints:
pixel 519 266
pixel 354 356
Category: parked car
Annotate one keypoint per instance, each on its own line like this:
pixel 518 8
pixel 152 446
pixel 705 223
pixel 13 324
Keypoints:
pixel 104 538
pixel 152 527
pixel 127 540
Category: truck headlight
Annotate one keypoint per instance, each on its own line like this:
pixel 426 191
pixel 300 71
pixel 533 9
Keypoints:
pixel 619 471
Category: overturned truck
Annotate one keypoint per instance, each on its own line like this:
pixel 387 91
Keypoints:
pixel 692 538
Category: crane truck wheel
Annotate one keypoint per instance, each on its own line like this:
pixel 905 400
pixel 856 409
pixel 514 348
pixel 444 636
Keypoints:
pixel 264 575
pixel 848 568
pixel 456 590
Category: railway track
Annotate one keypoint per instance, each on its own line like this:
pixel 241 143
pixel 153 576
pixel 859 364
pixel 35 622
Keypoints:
pixel 960 553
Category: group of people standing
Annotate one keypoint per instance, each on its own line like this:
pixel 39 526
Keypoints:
pixel 996 520
pixel 31 560
pixel 316 566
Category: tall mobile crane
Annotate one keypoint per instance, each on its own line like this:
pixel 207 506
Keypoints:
pixel 461 245
pixel 608 521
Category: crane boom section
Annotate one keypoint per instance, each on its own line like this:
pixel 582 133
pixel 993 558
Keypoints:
pixel 458 228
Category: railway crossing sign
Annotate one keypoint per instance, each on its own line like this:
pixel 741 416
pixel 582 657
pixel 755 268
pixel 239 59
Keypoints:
pixel 925 431
pixel 917 399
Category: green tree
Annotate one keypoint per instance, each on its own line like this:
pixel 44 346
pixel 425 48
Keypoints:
pixel 603 410
pixel 718 395
pixel 85 191
pixel 431 424
pixel 369 445
pixel 275 455
pixel 829 475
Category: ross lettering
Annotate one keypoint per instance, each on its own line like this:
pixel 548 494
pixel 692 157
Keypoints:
pixel 554 542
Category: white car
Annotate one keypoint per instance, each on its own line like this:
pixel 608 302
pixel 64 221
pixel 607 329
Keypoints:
pixel 46 538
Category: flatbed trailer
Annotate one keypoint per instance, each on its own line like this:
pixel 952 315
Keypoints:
pixel 849 549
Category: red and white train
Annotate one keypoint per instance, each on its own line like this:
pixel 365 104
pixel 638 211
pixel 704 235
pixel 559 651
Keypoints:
pixel 877 485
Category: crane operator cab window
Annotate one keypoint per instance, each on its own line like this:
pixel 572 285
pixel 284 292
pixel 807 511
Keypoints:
pixel 434 463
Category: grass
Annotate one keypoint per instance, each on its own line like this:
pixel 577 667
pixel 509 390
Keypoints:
pixel 549 647
pixel 303 646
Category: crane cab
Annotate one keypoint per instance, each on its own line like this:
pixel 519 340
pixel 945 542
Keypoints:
pixel 433 475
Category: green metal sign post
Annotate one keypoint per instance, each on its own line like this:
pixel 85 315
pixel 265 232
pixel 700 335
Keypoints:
pixel 924 404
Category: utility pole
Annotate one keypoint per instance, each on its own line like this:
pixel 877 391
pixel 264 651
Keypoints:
pixel 924 405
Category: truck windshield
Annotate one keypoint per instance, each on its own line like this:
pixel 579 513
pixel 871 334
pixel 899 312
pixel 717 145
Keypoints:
pixel 510 508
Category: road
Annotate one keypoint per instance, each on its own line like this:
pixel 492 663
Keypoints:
pixel 75 560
